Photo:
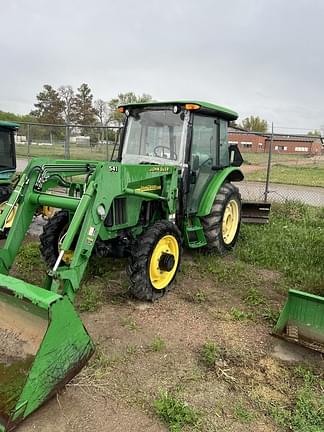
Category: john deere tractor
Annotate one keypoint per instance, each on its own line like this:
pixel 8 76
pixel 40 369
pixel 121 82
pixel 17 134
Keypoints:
pixel 170 187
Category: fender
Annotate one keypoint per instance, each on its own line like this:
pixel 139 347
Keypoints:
pixel 230 174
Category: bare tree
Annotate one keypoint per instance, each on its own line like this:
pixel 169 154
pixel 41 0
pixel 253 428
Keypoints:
pixel 67 96
pixel 101 108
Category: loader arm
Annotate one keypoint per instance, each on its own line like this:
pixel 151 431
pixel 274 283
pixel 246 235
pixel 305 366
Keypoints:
pixel 53 343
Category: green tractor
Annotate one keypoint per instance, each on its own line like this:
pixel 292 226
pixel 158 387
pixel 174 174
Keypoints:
pixel 7 158
pixel 170 187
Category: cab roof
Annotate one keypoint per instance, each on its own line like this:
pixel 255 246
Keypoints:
pixel 9 125
pixel 205 107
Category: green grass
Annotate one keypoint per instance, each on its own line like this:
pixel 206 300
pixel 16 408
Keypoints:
pixel 175 412
pixel 292 243
pixel 56 151
pixel 296 175
pixel 29 265
pixel 306 413
pixel 262 158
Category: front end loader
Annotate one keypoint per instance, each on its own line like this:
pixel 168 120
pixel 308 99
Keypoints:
pixel 170 187
pixel 302 320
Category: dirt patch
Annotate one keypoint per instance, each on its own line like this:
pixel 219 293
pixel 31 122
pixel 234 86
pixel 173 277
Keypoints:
pixel 117 390
pixel 11 346
pixel 21 332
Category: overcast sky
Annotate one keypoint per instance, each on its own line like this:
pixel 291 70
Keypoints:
pixel 259 57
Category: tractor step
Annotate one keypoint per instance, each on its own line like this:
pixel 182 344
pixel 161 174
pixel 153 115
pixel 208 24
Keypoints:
pixel 255 212
pixel 194 235
pixel 302 320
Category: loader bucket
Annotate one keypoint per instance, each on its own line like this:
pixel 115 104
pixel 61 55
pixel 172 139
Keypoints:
pixel 302 320
pixel 43 345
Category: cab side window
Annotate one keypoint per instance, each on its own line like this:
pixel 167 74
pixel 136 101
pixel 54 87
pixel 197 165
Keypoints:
pixel 204 137
pixel 223 144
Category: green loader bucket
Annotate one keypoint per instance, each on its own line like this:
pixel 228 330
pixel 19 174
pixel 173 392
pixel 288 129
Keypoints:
pixel 302 320
pixel 43 345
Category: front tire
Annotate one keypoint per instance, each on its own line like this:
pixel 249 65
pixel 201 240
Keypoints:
pixel 154 261
pixel 222 225
pixel 53 232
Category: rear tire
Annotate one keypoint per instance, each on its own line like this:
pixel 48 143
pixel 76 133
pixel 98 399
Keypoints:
pixel 52 233
pixel 222 225
pixel 154 261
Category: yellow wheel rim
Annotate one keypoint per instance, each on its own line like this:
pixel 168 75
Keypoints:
pixel 166 245
pixel 230 221
pixel 11 216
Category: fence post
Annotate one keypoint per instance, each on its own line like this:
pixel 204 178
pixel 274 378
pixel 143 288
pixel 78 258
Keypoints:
pixel 67 143
pixel 28 141
pixel 266 192
pixel 107 149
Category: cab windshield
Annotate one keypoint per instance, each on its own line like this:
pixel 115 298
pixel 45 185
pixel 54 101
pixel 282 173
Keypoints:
pixel 156 136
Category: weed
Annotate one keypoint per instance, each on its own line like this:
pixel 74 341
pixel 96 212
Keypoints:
pixel 269 314
pixel 157 344
pixel 240 315
pixel 199 297
pixel 101 365
pixel 90 298
pixel 210 352
pixel 253 297
pixel 132 349
pixel 242 413
pixel 129 323
pixel 174 412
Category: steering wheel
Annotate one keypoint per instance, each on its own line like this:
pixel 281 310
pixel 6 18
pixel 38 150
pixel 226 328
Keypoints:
pixel 209 160
pixel 173 155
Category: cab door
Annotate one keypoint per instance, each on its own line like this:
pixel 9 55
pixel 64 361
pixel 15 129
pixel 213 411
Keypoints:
pixel 204 157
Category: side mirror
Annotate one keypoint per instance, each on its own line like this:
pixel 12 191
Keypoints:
pixel 235 156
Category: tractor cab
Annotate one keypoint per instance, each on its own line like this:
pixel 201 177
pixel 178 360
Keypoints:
pixel 190 135
pixel 177 133
pixel 7 149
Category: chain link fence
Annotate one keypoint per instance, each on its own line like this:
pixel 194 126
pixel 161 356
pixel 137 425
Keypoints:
pixel 286 168
pixel 66 142
pixel 277 167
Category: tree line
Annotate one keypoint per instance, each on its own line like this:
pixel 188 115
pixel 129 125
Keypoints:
pixel 65 106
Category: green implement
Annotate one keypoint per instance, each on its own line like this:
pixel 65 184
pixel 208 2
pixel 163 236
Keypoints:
pixel 34 361
pixel 302 320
